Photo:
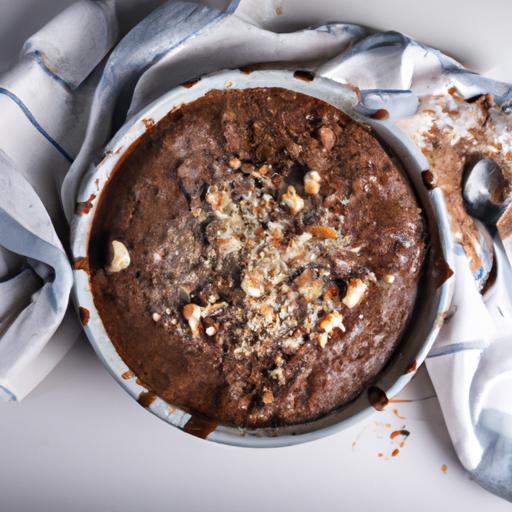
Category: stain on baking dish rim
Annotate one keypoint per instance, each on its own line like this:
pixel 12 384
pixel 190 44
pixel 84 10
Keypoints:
pixel 430 308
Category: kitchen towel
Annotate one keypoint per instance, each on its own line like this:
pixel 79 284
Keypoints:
pixel 91 68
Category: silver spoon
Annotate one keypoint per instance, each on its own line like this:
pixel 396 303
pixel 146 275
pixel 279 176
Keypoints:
pixel 485 200
pixel 484 191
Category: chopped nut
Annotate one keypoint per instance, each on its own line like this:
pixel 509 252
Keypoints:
pixel 218 199
pixel 389 278
pixel 156 257
pixel 192 313
pixel 327 137
pixel 332 321
pixel 156 317
pixel 309 287
pixel 120 257
pixel 213 309
pixel 265 169
pixel 293 200
pixel 278 374
pixel 235 163
pixel 211 331
pixel 292 344
pixel 268 312
pixel 324 232
pixel 332 293
pixel 167 311
pixel 312 183
pixel 322 339
pixel 228 245
pixel 355 292
pixel 267 397
pixel 252 285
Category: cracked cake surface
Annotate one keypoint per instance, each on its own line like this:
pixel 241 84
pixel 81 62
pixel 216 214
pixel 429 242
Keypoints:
pixel 256 258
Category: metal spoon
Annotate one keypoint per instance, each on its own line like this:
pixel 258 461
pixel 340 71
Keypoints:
pixel 485 199
pixel 484 191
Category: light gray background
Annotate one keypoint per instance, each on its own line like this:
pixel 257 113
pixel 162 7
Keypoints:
pixel 79 443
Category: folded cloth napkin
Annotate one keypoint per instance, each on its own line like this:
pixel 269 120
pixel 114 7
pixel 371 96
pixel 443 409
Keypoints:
pixel 64 100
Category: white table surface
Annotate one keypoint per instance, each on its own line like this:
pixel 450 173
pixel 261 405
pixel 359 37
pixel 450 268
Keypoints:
pixel 80 443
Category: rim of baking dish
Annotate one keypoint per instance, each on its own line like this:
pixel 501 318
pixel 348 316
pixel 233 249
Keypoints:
pixel 342 96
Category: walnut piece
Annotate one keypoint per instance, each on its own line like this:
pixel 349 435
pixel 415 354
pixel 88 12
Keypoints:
pixel 267 397
pixel 389 278
pixel 252 285
pixel 120 257
pixel 291 199
pixel 312 182
pixel 327 137
pixel 331 321
pixel 235 163
pixel 192 313
pixel 309 287
pixel 355 292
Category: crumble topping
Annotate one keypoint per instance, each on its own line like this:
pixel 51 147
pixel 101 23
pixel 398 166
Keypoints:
pixel 289 291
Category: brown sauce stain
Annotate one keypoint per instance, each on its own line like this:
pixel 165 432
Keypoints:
pixel 103 158
pixel 397 433
pixel 470 248
pixel 307 76
pixel 428 180
pixel 491 278
pixel 444 469
pixel 120 148
pixel 85 315
pixel 246 70
pixel 377 398
pixel 412 367
pixel 454 93
pixel 190 83
pixel 97 183
pixel 380 114
pixel 442 272
pixel 200 427
pixel 85 207
pixel 148 123
pixel 146 398
pixel 380 454
pixel 400 401
pixel 397 414
pixel 128 374
pixel 81 264
pixel 395 452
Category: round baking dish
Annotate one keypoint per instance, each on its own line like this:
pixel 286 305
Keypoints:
pixel 435 288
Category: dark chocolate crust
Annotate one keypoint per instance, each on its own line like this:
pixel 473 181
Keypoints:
pixel 275 252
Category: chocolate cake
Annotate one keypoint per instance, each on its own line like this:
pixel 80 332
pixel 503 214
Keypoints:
pixel 256 258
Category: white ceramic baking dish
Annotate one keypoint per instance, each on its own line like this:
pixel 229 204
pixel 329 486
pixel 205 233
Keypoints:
pixel 436 286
